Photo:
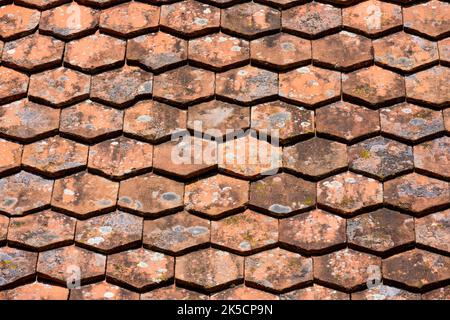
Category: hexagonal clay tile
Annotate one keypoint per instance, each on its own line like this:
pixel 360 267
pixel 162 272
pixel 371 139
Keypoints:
pixel 283 120
pixel 405 52
pixel 17 21
pixel 90 121
pixel 444 51
pixel 310 85
pixel 278 270
pixel 315 157
pixel 11 157
pixel 60 21
pixel 4 223
pixel 173 293
pixel 281 51
pixel 429 19
pixel 373 86
pixel 186 158
pixel 382 292
pixel 373 17
pixel 102 291
pixel 347 121
pixel 315 292
pixel 121 86
pixel 18 120
pixel 248 157
pixel 243 293
pixel 216 195
pixel 434 156
pixel 312 19
pixel 416 193
pixel 218 118
pixel 247 84
pixel 219 51
pixel 250 20
pixel 348 192
pixel 313 231
pixel 410 122
pixel 95 52
pixel 83 194
pixel 176 233
pixel 380 230
pixel 343 51
pixel 36 291
pixel 245 232
pixel 13 85
pixel 190 18
pixel 16 265
pixel 153 121
pixel 59 87
pixel 140 269
pixel 41 4
pixel 120 157
pixel 151 194
pixel 438 294
pixel 111 232
pixel 346 268
pixel 184 85
pixel 100 3
pixel 209 269
pixel 157 50
pixel 64 265
pixel 434 230
pixel 116 20
pixel 42 231
pixel 282 194
pixel 380 157
pixel 55 156
pixel 429 86
pixel 424 268
pixel 34 52
pixel 446 114
pixel 24 192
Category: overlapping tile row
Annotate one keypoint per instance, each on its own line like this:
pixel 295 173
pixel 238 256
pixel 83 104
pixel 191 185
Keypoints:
pixel 357 202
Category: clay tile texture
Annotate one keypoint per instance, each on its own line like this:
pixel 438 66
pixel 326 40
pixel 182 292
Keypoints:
pixel 224 150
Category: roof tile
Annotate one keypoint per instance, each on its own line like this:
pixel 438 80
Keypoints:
pixel 434 230
pixel 315 292
pixel 166 194
pixel 282 194
pixel 110 232
pixel 24 192
pixel 11 158
pixel 16 265
pixel 243 293
pixel 176 233
pixel 209 269
pixel 36 291
pixel 433 156
pixel 102 291
pixel 313 231
pixel 278 270
pixel 41 231
pixel 429 19
pixel 17 21
pixel 55 156
pixel 382 292
pixel 173 293
pixel 245 232
pixel 13 85
pixel 250 20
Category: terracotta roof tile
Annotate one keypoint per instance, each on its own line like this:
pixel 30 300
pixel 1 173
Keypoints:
pixel 278 270
pixel 173 293
pixel 102 291
pixel 58 21
pixel 109 233
pixel 41 231
pixel 224 149
pixel 34 52
pixel 140 269
pixel 55 156
pixel 245 232
pixel 17 21
pixel 315 292
pixel 61 264
pixel 176 233
pixel 209 269
pixel 372 17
